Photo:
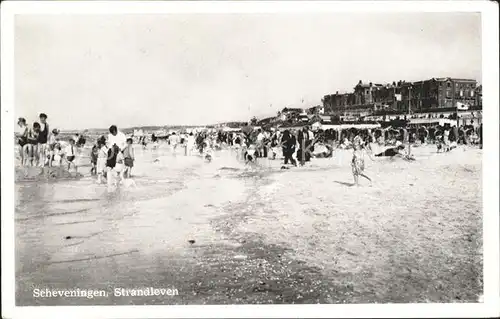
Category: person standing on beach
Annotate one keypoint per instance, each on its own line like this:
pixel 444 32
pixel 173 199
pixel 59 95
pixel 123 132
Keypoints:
pixel 43 138
pixel 70 154
pixel 94 154
pixel 117 141
pixel 53 142
pixel 303 154
pixel 128 158
pixel 174 141
pixel 112 158
pixel 200 142
pixel 358 163
pixel 274 143
pixel 22 139
pixel 142 141
pixel 32 148
pixel 288 143
pixel 102 156
pixel 260 143
pixel 266 143
pixel 116 137
pixel 190 144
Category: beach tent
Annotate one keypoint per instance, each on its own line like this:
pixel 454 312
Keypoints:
pixel 290 128
pixel 443 122
pixel 330 126
pixel 432 121
pixel 316 126
pixel 230 129
pixel 360 126
pixel 426 121
pixel 138 132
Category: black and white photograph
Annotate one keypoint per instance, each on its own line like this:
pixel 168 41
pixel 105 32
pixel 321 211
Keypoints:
pixel 250 154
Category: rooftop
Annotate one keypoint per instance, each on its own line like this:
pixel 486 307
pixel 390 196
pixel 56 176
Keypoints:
pixel 453 79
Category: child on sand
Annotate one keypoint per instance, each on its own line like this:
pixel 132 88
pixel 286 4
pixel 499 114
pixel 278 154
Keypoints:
pixel 120 166
pixel 358 163
pixel 129 156
pixel 52 143
pixel 69 154
pixel 102 156
pixel 57 155
pixel 94 154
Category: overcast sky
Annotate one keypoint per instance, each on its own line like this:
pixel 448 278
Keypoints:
pixel 130 70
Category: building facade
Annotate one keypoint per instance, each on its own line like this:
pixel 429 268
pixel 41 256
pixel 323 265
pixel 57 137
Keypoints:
pixel 318 109
pixel 478 92
pixel 406 97
pixel 334 101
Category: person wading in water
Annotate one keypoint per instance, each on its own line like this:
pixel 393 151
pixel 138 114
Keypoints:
pixel 43 138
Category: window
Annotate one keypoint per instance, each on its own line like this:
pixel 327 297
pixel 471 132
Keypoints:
pixel 449 84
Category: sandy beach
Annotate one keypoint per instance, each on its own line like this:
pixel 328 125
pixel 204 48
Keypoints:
pixel 261 234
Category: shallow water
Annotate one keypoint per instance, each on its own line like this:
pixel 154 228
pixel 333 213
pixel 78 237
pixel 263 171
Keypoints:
pixel 67 220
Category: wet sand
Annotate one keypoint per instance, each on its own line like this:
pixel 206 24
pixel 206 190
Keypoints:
pixel 261 235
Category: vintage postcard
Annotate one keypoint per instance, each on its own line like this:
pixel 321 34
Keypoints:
pixel 249 159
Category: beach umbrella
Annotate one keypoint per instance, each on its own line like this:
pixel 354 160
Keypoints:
pixel 247 129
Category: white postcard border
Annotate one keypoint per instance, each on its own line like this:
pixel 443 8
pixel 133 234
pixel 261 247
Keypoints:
pixel 490 307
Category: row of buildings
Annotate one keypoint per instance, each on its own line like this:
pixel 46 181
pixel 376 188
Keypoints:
pixel 427 96
pixel 459 100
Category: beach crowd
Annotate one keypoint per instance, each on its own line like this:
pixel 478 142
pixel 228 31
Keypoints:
pixel 38 146
pixel 112 157
pixel 299 146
